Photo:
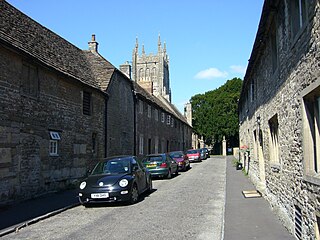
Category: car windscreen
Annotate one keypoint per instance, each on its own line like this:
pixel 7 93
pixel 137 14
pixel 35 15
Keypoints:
pixel 176 155
pixel 153 159
pixel 116 166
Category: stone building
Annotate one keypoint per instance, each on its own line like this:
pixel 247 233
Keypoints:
pixel 119 105
pixel 279 113
pixel 152 71
pixel 160 127
pixel 52 109
pixel 62 109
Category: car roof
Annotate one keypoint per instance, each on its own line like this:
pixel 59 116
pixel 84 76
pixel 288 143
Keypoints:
pixel 155 154
pixel 118 157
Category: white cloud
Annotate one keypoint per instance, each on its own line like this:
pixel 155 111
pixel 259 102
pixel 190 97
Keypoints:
pixel 211 73
pixel 238 69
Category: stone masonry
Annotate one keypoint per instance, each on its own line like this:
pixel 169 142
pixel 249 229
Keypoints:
pixel 281 83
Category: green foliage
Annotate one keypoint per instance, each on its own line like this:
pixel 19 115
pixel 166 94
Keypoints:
pixel 215 113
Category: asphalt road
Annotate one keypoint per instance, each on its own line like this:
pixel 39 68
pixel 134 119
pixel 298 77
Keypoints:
pixel 188 206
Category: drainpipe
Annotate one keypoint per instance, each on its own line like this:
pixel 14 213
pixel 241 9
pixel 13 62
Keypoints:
pixel 134 122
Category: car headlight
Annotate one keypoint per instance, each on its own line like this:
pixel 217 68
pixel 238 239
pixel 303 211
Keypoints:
pixel 83 185
pixel 123 182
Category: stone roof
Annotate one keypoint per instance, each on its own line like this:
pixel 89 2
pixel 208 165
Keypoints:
pixel 21 32
pixel 161 102
pixel 102 68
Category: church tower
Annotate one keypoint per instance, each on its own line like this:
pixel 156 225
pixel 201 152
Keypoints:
pixel 152 71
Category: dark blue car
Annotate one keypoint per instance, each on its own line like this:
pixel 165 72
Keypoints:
pixel 121 178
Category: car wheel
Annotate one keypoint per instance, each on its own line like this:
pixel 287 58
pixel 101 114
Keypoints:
pixel 169 174
pixel 134 197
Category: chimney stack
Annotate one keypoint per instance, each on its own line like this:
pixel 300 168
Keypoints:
pixel 126 69
pixel 93 45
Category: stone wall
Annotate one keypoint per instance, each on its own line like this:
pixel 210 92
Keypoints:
pixel 120 117
pixel 159 136
pixel 26 168
pixel 278 93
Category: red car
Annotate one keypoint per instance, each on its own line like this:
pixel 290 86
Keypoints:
pixel 194 155
pixel 181 159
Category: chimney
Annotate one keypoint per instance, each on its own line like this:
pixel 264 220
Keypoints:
pixel 93 45
pixel 126 69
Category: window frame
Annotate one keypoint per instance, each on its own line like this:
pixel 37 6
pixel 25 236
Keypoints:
pixel 141 144
pixel 163 117
pixel 310 101
pixel 30 80
pixel 149 111
pixel 86 103
pixel 302 16
pixel 274 149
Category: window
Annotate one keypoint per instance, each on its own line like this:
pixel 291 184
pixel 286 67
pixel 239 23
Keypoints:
pixel 141 144
pixel 141 74
pixel 172 122
pixel 54 135
pixel 156 114
pixel 274 139
pixel 53 144
pixel 147 74
pixel 298 16
pixel 162 117
pixel 30 81
pixel 168 119
pixel 140 106
pixel 311 129
pixel 317 225
pixel 53 148
pixel 149 111
pixel 86 103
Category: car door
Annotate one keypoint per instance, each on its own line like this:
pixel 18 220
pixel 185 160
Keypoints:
pixel 173 164
pixel 140 173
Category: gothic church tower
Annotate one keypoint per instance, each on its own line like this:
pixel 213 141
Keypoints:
pixel 152 71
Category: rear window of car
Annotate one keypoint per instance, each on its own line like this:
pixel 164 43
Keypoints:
pixel 176 155
pixel 192 151
pixel 153 159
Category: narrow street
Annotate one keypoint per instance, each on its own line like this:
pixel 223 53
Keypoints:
pixel 188 206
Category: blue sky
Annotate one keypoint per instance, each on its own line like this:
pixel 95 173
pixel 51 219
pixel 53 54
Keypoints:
pixel 208 41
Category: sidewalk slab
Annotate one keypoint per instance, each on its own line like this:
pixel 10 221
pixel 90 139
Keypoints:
pixel 28 212
pixel 251 217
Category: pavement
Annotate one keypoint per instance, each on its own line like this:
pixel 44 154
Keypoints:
pixel 20 215
pixel 248 218
pixel 245 218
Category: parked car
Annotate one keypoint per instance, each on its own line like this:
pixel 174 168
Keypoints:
pixel 207 152
pixel 194 155
pixel 203 154
pixel 160 165
pixel 120 178
pixel 181 159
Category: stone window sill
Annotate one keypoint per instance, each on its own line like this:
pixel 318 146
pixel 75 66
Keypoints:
pixel 314 179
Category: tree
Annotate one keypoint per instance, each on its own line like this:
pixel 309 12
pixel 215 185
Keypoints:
pixel 215 113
